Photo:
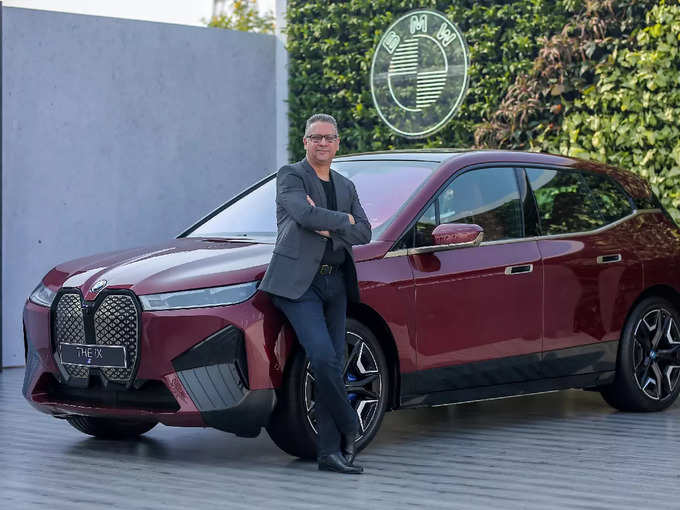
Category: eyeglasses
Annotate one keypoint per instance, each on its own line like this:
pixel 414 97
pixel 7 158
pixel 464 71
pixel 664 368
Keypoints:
pixel 318 138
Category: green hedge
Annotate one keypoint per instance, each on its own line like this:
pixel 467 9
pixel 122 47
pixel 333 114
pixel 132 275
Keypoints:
pixel 631 116
pixel 331 46
pixel 603 76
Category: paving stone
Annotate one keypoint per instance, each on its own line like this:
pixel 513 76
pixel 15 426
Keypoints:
pixel 563 450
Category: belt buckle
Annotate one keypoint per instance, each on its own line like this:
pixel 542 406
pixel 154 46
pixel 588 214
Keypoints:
pixel 325 269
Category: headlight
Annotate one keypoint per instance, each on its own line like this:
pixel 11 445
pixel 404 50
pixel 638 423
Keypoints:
pixel 214 296
pixel 42 295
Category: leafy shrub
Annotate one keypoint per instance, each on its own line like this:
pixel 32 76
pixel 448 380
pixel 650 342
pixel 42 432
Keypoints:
pixel 630 116
pixel 331 46
pixel 566 63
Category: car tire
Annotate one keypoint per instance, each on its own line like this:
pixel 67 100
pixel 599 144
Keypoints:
pixel 292 425
pixel 110 428
pixel 648 363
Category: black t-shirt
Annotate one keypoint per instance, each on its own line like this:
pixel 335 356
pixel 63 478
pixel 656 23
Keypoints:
pixel 331 256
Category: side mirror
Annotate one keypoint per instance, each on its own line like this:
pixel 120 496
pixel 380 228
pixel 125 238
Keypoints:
pixel 458 235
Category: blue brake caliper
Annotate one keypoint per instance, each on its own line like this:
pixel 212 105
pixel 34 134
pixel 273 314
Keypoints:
pixel 351 396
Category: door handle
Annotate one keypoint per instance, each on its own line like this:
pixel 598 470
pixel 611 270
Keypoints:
pixel 526 268
pixel 607 259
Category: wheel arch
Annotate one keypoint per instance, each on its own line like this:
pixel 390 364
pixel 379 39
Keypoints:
pixel 374 321
pixel 620 394
pixel 664 291
pixel 660 290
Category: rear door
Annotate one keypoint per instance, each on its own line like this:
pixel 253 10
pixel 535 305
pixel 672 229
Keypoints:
pixel 591 274
pixel 478 305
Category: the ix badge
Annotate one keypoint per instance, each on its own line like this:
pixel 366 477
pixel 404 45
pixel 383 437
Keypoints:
pixel 419 73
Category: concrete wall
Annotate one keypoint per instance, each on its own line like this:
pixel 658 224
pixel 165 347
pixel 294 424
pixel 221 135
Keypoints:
pixel 118 133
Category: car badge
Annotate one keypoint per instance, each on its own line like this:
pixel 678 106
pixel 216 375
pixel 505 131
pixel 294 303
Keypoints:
pixel 98 285
pixel 420 73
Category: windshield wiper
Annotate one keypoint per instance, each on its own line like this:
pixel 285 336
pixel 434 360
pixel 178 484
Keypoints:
pixel 268 239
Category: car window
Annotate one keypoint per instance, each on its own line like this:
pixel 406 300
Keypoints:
pixel 425 225
pixel 487 197
pixel 564 202
pixel 614 203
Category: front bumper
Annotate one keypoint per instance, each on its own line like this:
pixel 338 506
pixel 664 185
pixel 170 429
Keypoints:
pixel 215 374
pixel 197 368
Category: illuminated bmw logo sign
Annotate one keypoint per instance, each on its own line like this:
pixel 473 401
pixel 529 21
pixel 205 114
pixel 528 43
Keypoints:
pixel 419 73
pixel 98 285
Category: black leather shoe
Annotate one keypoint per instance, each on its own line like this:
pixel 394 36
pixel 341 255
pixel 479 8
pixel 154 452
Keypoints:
pixel 336 462
pixel 348 446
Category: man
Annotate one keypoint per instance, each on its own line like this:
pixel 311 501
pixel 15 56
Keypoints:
pixel 312 275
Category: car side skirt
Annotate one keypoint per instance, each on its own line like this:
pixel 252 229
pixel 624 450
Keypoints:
pixel 584 366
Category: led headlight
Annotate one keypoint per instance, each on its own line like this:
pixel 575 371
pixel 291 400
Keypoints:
pixel 42 295
pixel 199 298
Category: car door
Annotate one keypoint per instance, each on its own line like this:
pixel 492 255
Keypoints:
pixel 478 309
pixel 591 275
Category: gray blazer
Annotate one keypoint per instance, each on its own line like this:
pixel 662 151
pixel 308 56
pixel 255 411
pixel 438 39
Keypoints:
pixel 299 248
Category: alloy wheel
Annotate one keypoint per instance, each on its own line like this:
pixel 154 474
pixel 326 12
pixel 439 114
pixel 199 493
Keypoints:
pixel 363 382
pixel 656 354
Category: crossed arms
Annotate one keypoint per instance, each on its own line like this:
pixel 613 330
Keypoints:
pixel 352 228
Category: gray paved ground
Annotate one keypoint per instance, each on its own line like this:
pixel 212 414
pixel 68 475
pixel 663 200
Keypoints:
pixel 558 450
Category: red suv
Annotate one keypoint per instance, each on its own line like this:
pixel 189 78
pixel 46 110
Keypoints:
pixel 490 274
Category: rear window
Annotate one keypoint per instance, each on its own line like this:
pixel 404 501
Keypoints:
pixel 649 202
pixel 614 203
pixel 565 204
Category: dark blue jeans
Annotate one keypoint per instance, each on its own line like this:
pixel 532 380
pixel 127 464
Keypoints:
pixel 318 318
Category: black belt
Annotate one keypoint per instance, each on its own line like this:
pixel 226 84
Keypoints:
pixel 328 269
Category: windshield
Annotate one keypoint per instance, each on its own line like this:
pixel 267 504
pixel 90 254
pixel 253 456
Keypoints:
pixel 384 188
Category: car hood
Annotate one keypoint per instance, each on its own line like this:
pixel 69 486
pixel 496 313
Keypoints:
pixel 180 264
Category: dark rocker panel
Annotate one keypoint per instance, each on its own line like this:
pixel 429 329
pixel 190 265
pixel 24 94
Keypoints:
pixel 474 377
pixel 507 390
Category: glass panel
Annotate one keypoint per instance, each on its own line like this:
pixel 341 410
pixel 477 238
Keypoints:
pixel 253 215
pixel 384 188
pixel 424 227
pixel 564 203
pixel 614 203
pixel 486 197
pixel 650 202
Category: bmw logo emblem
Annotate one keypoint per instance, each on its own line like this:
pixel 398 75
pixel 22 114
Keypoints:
pixel 98 285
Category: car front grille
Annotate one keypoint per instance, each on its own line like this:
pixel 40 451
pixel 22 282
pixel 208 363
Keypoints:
pixel 70 328
pixel 115 323
pixel 113 319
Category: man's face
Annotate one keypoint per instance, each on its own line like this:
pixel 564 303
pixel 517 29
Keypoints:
pixel 319 149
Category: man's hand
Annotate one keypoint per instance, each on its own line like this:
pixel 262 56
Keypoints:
pixel 324 233
pixel 351 219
